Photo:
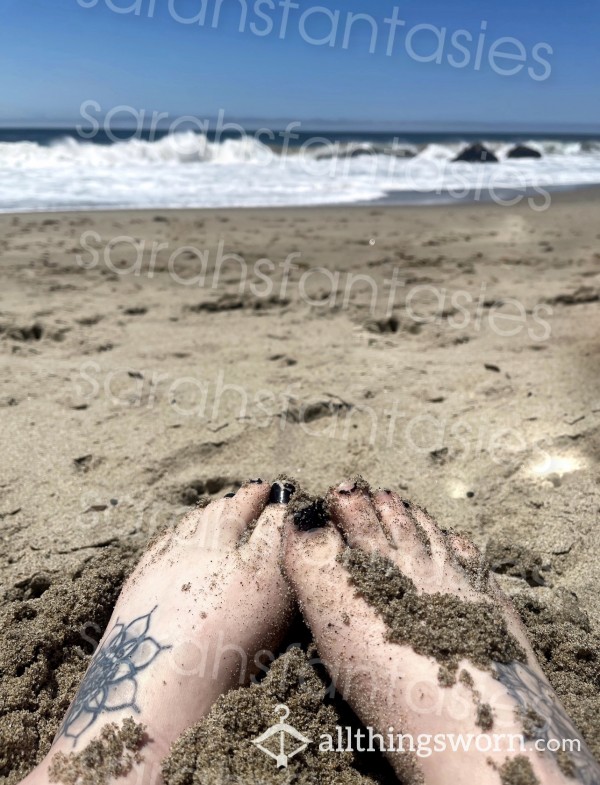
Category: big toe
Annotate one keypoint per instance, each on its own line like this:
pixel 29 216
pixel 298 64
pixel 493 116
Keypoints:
pixel 350 634
pixel 311 547
pixel 321 584
pixel 260 550
pixel 261 541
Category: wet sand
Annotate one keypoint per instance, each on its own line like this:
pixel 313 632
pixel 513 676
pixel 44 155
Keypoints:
pixel 131 388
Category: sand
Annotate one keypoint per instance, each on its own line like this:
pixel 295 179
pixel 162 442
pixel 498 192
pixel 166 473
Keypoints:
pixel 442 626
pixel 219 750
pixel 518 771
pixel 110 756
pixel 48 629
pixel 129 390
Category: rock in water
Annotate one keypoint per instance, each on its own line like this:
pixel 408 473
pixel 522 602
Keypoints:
pixel 522 151
pixel 477 153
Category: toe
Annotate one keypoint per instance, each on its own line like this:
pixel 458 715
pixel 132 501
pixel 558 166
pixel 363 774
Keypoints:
pixel 464 548
pixel 224 521
pixel 263 539
pixel 397 520
pixel 261 556
pixel 437 541
pixel 419 555
pixel 411 547
pixel 261 542
pixel 353 511
pixel 310 556
pixel 249 502
pixel 314 572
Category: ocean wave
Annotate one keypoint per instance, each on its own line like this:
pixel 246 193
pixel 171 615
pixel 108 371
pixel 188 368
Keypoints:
pixel 344 150
pixel 191 147
pixel 180 148
pixel 190 170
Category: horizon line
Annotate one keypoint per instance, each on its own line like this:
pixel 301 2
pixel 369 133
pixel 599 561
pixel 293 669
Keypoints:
pixel 279 124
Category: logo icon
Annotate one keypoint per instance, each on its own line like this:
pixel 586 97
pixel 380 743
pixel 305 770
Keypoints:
pixel 284 731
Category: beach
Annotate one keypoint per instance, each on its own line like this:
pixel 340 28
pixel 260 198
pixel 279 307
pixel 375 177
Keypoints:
pixel 150 359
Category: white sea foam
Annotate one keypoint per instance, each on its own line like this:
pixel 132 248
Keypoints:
pixel 188 170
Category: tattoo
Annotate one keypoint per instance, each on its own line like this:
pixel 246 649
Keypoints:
pixel 111 681
pixel 547 718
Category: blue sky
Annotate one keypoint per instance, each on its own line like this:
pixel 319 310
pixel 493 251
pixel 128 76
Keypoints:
pixel 56 55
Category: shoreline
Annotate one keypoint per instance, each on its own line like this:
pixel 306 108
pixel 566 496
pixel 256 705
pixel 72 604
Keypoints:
pixel 502 197
pixel 393 199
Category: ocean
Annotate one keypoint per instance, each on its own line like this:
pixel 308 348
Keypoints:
pixel 61 169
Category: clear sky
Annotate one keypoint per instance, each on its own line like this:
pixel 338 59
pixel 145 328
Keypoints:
pixel 435 64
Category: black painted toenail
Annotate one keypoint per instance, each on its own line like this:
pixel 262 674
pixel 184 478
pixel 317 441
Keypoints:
pixel 258 481
pixel 314 516
pixel 281 493
pixel 229 496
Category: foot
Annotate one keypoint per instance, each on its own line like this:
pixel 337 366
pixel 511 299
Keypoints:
pixel 200 613
pixel 419 639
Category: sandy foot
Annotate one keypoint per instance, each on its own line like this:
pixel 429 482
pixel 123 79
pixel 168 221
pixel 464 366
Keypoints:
pixel 421 640
pixel 190 624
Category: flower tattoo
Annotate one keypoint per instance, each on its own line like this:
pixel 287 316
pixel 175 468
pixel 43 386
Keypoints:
pixel 111 682
pixel 534 694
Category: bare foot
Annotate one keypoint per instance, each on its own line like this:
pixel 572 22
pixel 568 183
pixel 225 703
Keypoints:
pixel 202 604
pixel 420 640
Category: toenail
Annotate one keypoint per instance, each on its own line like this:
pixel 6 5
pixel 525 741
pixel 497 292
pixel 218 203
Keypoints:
pixel 258 481
pixel 314 516
pixel 229 496
pixel 347 487
pixel 281 493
